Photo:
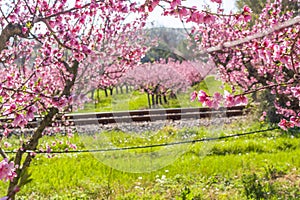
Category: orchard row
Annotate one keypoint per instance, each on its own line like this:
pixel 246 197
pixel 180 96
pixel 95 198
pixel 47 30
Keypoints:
pixel 54 52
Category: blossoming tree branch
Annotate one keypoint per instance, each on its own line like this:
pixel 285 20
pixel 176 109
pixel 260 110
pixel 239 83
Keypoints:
pixel 49 50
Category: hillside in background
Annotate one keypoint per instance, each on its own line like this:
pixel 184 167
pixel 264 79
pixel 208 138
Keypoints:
pixel 172 43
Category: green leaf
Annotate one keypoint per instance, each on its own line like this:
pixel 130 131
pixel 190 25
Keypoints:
pixel 25 178
pixel 28 25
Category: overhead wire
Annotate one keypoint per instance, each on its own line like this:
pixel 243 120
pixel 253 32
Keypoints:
pixel 148 146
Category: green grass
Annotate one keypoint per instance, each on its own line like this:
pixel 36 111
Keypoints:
pixel 259 166
pixel 266 163
pixel 136 100
pixel 85 176
pixel 117 102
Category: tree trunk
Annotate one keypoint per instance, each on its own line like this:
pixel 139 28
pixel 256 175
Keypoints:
pixel 111 91
pixel 98 97
pixel 93 94
pixel 31 145
pixel 160 100
pixel 127 89
pixel 9 31
pixel 165 99
pixel 121 89
pixel 105 91
pixel 149 101
pixel 153 100
pixel 38 134
pixel 117 90
pixel 173 95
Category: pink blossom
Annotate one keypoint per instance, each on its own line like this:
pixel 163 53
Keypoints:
pixel 218 97
pixel 9 108
pixel 175 3
pixel 217 1
pixel 24 30
pixel 6 132
pixel 266 43
pixel 229 99
pixel 263 116
pixel 295 120
pixel 48 149
pixel 215 104
pixel 284 124
pixel 78 4
pixel 246 15
pixel 197 17
pixel 6 144
pixel 7 170
pixel 284 59
pixel 52 23
pixel 12 107
pixel 13 17
pixel 208 19
pixel 247 18
pixel 19 120
pixel 194 95
pixel 247 9
pixel 276 52
pixel 241 100
pixel 183 12
pixel 296 91
pixel 208 102
pixel 216 100
pixel 73 146
pixel 30 112
pixel 202 96
pixel 33 154
pixel 60 102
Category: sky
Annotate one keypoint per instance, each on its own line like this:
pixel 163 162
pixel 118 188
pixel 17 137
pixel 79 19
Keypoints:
pixel 156 19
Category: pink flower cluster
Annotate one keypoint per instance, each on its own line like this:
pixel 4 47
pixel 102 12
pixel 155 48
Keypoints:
pixel 294 122
pixel 269 62
pixel 296 92
pixel 161 78
pixel 22 119
pixel 216 1
pixel 7 170
pixel 217 99
pixel 246 14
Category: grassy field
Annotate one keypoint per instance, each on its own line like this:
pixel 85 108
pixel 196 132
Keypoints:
pixel 260 166
pixel 136 100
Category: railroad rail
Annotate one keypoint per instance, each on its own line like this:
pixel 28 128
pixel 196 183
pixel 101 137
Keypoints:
pixel 82 119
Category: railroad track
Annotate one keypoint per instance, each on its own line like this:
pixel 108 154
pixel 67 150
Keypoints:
pixel 82 119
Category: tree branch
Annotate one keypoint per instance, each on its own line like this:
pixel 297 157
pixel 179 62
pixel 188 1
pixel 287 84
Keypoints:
pixel 249 38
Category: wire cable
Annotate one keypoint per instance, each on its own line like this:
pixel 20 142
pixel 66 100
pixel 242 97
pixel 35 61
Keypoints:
pixel 149 146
